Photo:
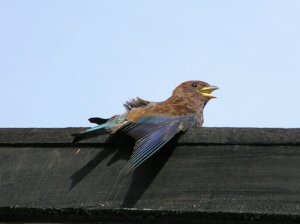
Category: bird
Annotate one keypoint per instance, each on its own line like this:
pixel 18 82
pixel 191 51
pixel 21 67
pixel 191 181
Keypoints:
pixel 153 124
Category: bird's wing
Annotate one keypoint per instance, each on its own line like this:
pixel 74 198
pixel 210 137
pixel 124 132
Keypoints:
pixel 151 133
pixel 135 103
pixel 129 105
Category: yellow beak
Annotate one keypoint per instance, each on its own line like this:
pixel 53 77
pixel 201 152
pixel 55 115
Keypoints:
pixel 206 91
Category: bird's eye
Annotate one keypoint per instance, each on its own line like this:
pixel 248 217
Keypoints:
pixel 194 84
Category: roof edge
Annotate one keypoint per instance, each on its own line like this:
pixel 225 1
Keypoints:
pixel 233 136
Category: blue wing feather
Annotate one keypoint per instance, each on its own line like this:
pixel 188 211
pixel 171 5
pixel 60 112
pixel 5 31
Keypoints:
pixel 151 134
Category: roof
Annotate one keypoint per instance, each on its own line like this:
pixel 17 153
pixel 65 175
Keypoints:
pixel 207 174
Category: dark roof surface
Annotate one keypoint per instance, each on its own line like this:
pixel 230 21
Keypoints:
pixel 230 175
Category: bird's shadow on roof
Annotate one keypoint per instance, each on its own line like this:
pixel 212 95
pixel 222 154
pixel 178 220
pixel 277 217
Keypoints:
pixel 144 175
pixel 127 146
pixel 141 178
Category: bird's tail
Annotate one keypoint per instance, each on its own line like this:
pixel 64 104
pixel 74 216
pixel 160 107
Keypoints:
pixel 91 132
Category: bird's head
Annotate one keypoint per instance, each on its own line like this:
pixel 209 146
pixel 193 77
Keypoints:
pixel 195 89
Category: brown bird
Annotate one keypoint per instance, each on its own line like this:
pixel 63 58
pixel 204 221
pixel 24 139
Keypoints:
pixel 153 124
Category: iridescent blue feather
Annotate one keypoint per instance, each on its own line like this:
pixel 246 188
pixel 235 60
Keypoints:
pixel 151 134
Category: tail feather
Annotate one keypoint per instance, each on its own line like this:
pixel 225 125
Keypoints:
pixel 90 133
pixel 98 120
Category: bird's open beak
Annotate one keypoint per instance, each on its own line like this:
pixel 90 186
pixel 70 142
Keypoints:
pixel 206 91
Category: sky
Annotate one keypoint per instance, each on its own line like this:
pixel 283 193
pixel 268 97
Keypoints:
pixel 63 61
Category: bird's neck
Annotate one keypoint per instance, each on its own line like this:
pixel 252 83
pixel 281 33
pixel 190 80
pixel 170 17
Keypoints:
pixel 193 103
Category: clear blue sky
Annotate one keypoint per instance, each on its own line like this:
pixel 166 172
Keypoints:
pixel 62 62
